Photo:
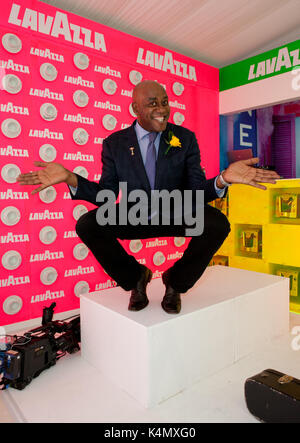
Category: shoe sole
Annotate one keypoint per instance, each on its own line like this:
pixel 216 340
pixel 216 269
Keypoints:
pixel 144 306
pixel 170 311
pixel 140 308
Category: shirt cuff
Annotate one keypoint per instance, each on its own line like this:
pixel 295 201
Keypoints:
pixel 220 192
pixel 73 190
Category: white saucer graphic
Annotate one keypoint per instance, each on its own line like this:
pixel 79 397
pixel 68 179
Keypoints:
pixel 12 305
pixel 135 77
pixel 80 170
pixel 78 211
pixel 80 251
pixel 178 88
pixel 11 43
pixel 109 86
pixel 158 258
pixel 48 112
pixel 109 122
pixel 80 136
pixel 178 118
pixel 11 128
pixel 81 288
pixel 10 216
pixel 48 195
pixel 11 260
pixel 179 241
pixel 48 275
pixel 11 83
pixel 10 172
pixel 80 98
pixel 47 235
pixel 135 245
pixel 47 152
pixel 81 61
pixel 48 72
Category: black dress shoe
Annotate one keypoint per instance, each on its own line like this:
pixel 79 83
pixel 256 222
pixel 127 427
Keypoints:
pixel 171 303
pixel 139 299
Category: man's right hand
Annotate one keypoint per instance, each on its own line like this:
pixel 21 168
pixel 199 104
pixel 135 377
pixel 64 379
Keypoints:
pixel 51 174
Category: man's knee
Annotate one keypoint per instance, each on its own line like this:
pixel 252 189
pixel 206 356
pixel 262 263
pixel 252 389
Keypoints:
pixel 222 225
pixel 86 224
pixel 218 223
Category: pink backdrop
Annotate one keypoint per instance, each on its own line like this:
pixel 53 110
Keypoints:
pixel 49 35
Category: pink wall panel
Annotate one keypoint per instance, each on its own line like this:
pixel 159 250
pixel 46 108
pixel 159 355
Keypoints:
pixel 24 271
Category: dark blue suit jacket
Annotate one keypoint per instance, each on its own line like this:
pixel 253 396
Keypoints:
pixel 178 169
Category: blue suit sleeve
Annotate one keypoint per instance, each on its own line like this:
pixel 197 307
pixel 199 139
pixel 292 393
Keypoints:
pixel 195 177
pixel 88 190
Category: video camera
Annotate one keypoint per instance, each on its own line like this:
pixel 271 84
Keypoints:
pixel 26 356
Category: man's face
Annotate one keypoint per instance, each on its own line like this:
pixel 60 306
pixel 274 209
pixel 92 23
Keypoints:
pixel 151 106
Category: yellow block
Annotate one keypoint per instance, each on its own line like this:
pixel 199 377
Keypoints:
pixel 285 183
pixel 281 244
pixel 295 308
pixel 227 247
pixel 250 264
pixel 248 205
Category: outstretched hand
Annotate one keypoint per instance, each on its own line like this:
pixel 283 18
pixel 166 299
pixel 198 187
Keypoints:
pixel 51 174
pixel 243 172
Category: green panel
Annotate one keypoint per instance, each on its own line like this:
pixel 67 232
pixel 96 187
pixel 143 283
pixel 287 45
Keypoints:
pixel 265 65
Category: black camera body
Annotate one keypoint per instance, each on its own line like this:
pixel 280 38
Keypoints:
pixel 38 349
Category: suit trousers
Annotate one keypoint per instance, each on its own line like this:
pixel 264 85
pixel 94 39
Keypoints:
pixel 126 270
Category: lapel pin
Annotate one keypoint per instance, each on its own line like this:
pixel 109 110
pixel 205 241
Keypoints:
pixel 132 150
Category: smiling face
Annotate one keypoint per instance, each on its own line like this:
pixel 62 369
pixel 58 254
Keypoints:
pixel 151 106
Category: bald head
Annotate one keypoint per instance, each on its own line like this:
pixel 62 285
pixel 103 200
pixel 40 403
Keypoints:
pixel 151 106
pixel 144 87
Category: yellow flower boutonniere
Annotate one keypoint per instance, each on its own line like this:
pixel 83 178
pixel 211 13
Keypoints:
pixel 173 142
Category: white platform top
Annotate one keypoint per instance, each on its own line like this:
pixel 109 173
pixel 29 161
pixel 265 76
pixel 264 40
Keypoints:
pixel 218 284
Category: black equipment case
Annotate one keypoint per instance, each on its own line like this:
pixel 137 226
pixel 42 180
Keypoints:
pixel 273 397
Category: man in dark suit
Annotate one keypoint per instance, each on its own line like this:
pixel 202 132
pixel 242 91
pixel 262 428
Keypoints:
pixel 150 155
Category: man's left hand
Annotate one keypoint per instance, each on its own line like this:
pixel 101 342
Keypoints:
pixel 243 172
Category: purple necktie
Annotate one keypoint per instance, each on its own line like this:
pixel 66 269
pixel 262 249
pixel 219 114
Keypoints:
pixel 150 164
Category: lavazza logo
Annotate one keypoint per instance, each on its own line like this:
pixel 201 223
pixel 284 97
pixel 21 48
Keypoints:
pixel 46 215
pixel 46 53
pixel 107 105
pixel 45 133
pixel 56 26
pixel 296 78
pixel 107 70
pixel 79 81
pixel 78 156
pixel 13 195
pixel 46 255
pixel 166 63
pixel 48 295
pixel 10 64
pixel 284 59
pixel 14 238
pixel 78 118
pixel 46 93
pixel 80 270
pixel 10 107
pixel 10 151
pixel 14 281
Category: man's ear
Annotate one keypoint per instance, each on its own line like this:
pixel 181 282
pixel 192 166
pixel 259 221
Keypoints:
pixel 135 107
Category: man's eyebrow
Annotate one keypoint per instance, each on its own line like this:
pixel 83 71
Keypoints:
pixel 155 98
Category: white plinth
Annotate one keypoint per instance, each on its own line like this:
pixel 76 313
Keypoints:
pixel 153 355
